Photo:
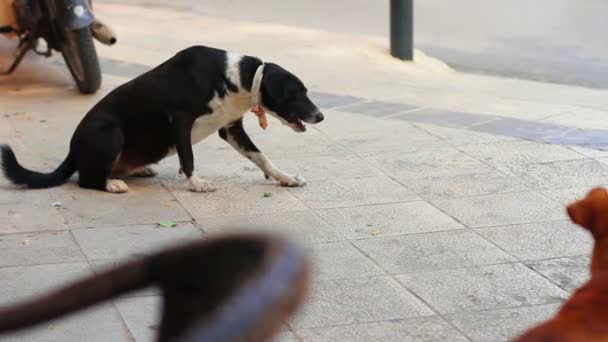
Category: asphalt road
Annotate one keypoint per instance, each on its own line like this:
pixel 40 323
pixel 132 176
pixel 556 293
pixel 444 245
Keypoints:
pixel 560 41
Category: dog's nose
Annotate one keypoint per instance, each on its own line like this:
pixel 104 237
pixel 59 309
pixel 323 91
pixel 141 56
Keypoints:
pixel 318 117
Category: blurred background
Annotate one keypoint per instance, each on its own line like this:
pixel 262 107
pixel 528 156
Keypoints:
pixel 559 41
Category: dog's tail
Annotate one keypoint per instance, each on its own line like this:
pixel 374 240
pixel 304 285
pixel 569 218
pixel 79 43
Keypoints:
pixel 82 294
pixel 32 179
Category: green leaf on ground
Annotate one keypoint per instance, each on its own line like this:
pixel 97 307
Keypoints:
pixel 167 224
pixel 268 194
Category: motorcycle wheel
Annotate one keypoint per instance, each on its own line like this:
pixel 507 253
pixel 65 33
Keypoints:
pixel 78 50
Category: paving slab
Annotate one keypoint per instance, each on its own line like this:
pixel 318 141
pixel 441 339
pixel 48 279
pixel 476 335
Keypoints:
pixel 501 209
pixel 360 300
pixel 519 152
pixel 432 251
pixel 146 202
pixel 339 260
pixel 128 241
pixel 397 330
pixel 462 182
pixel 353 191
pixel 305 226
pixel 541 240
pixel 388 219
pixel 482 288
pixel 561 174
pixel 141 315
pixel 568 273
pixel 39 248
pixel 413 161
pixel 501 325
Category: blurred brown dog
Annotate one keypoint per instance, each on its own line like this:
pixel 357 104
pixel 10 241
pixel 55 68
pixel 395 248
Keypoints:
pixel 584 317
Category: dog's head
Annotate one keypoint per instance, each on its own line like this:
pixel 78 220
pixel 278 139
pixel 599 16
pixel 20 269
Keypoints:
pixel 285 97
pixel 591 212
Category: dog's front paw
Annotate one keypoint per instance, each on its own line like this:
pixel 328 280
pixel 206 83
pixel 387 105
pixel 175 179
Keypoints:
pixel 200 185
pixel 292 181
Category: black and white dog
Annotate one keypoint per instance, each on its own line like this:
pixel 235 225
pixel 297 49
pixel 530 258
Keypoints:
pixel 198 91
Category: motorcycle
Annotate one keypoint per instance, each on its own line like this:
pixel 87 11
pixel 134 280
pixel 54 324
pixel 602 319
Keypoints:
pixel 66 26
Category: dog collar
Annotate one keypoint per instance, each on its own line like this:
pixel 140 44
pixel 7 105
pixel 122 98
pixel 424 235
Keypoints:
pixel 256 106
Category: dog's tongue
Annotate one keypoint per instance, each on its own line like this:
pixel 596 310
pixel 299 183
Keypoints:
pixel 301 125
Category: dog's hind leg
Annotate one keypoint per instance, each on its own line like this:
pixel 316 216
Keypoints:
pixel 98 155
pixel 236 136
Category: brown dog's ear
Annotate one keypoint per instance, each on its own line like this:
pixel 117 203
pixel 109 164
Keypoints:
pixel 580 214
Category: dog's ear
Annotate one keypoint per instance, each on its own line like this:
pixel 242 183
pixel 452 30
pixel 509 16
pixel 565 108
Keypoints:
pixel 591 212
pixel 580 213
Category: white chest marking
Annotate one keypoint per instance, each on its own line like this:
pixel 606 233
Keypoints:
pixel 224 111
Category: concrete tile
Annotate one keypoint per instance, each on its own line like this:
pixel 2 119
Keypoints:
pixel 123 242
pixel 567 195
pixel 327 100
pixel 583 118
pixel 338 260
pixel 418 329
pixel 463 182
pixel 388 219
pixel 568 273
pixel 230 200
pixel 561 174
pixel 30 217
pixel 591 138
pixel 529 130
pixel 285 336
pixel 501 209
pixel 589 152
pixel 99 324
pixel 303 226
pixel 394 138
pixel 327 167
pixel 145 203
pixel 39 248
pixel 501 325
pixel 432 251
pixel 294 144
pixel 345 192
pixel 447 118
pixel 378 108
pixel 25 282
pixel 11 195
pixel 142 316
pixel 519 152
pixel 416 162
pixel 541 240
pixel 482 288
pixel 360 300
pixel 341 124
pixel 459 136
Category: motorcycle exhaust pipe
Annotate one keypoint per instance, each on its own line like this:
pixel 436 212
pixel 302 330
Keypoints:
pixel 104 34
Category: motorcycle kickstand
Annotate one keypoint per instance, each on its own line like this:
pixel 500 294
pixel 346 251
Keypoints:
pixel 22 52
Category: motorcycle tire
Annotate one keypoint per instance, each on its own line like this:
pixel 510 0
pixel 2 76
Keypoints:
pixel 78 50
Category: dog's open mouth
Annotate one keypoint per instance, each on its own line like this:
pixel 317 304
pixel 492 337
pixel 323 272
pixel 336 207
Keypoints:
pixel 298 126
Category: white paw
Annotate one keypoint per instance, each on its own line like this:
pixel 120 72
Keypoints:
pixel 291 181
pixel 200 185
pixel 116 186
pixel 144 172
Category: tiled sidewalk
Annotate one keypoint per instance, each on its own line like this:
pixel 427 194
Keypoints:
pixel 434 209
pixel 419 227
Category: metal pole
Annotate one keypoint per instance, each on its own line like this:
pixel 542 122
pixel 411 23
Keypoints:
pixel 402 28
